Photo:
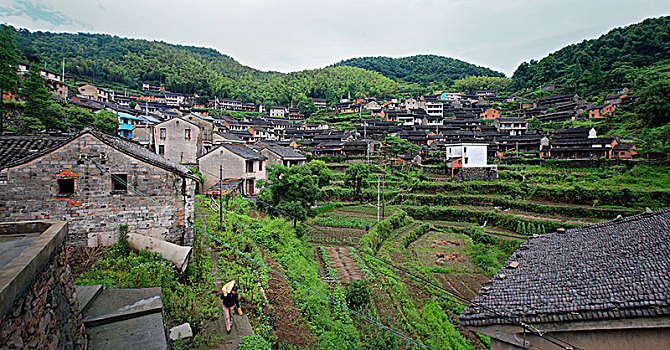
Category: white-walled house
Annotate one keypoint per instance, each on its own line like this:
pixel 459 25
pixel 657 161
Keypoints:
pixel 472 154
pixel 238 162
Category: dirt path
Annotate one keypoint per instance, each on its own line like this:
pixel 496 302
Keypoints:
pixel 289 325
pixel 345 265
pixel 241 326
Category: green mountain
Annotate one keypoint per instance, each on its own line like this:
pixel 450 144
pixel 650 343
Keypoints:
pixel 619 58
pixel 121 62
pixel 421 69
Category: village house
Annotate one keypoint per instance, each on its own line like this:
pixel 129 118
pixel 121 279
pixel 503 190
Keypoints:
pixel 469 161
pixel 283 156
pixel 228 104
pixel 53 81
pixel 319 103
pixel 91 180
pixel 372 105
pixel 237 162
pixel 624 151
pixel 434 108
pixel 178 140
pixel 511 126
pixel 278 111
pixel 490 114
pixel 601 111
pixel 602 287
pixel 294 114
pixel 94 93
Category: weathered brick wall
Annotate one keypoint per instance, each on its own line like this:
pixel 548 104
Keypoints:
pixel 94 212
pixel 46 315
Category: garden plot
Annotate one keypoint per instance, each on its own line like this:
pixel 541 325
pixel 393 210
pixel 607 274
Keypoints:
pixel 466 285
pixel 341 264
pixel 334 235
pixel 442 250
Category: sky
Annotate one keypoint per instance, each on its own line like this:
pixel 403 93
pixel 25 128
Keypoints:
pixel 291 35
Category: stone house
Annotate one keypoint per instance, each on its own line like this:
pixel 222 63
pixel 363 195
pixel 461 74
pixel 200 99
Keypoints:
pixel 179 140
pixel 283 156
pixel 238 162
pixel 603 287
pixel 90 180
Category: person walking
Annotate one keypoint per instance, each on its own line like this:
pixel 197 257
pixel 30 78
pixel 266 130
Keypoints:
pixel 230 299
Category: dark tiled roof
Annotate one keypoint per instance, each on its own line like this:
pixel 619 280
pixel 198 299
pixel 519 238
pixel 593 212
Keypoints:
pixel 15 150
pixel 285 152
pixel 20 149
pixel 244 152
pixel 613 270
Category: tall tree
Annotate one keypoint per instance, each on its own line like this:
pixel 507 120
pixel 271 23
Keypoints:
pixel 8 68
pixel 354 177
pixel 38 101
pixel 654 104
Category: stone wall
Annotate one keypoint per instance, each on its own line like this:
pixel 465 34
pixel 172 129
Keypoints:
pixel 94 211
pixel 46 315
pixel 476 174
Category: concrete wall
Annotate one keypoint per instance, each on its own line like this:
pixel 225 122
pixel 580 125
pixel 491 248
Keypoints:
pixel 476 174
pixel 44 313
pixel 93 211
pixel 177 148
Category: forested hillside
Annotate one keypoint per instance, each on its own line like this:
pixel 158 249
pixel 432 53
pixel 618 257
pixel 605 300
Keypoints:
pixel 128 63
pixel 614 60
pixel 421 69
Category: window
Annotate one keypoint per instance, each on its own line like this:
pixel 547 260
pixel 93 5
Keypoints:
pixel 161 150
pixel 187 134
pixel 65 186
pixel 465 149
pixel 250 166
pixel 260 165
pixel 163 133
pixel 466 160
pixel 119 182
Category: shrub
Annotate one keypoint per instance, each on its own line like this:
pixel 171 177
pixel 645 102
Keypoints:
pixel 254 342
pixel 357 294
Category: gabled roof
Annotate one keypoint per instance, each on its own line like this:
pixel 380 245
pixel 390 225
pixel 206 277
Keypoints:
pixel 285 153
pixel 242 151
pixel 612 270
pixel 35 147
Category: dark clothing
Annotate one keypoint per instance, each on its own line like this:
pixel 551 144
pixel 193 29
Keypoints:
pixel 231 299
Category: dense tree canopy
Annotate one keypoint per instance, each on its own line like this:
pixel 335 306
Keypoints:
pixel 421 69
pixel 654 104
pixel 295 190
pixel 125 62
pixel 603 63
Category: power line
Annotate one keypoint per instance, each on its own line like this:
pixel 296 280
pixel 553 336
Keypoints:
pixel 522 324
pixel 279 274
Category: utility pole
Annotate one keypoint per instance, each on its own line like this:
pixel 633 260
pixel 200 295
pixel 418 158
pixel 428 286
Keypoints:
pixel 221 197
pixel 383 199
pixel 378 197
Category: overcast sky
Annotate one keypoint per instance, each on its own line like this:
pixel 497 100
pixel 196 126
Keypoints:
pixel 290 35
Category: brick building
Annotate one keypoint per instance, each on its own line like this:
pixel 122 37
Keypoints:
pixel 71 179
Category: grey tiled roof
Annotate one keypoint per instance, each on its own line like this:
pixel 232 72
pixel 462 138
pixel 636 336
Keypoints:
pixel 20 149
pixel 613 270
pixel 15 150
pixel 286 152
pixel 244 152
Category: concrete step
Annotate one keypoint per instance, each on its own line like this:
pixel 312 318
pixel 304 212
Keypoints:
pixel 86 294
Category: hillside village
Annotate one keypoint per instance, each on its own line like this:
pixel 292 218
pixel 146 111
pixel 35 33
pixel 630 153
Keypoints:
pixel 470 219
